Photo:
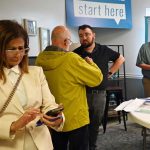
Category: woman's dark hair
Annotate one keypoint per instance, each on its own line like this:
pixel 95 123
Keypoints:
pixel 9 30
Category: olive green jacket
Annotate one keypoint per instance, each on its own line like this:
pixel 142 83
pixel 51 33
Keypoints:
pixel 68 75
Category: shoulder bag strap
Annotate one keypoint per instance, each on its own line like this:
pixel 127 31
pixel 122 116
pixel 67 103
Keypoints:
pixel 11 94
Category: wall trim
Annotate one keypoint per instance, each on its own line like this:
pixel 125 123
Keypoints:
pixel 132 76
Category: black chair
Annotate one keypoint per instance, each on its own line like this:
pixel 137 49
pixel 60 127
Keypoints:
pixel 118 92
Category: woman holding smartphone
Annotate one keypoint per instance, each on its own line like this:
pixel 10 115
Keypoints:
pixel 24 95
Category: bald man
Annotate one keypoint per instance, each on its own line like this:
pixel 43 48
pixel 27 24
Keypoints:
pixel 67 75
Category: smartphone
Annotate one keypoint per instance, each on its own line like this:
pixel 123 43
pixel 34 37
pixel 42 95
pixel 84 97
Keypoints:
pixel 55 112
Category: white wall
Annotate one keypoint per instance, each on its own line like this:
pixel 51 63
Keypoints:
pixel 131 39
pixel 49 13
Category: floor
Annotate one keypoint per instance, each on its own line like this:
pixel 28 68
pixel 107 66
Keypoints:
pixel 116 138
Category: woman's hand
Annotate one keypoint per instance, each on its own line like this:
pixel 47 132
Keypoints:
pixel 52 121
pixel 27 117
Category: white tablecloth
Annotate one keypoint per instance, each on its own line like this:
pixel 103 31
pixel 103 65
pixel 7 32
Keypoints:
pixel 140 118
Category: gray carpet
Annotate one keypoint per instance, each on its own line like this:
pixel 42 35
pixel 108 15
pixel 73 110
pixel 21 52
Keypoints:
pixel 116 138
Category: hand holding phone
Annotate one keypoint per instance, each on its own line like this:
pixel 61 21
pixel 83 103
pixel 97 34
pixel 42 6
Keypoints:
pixel 53 113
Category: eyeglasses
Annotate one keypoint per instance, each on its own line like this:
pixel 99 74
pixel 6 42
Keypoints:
pixel 84 35
pixel 20 50
pixel 68 41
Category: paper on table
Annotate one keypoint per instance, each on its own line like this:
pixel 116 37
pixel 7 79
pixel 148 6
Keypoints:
pixel 130 105
pixel 123 105
pixel 145 108
pixel 134 105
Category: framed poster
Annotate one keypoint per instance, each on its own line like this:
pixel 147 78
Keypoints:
pixel 30 26
pixel 99 13
pixel 44 36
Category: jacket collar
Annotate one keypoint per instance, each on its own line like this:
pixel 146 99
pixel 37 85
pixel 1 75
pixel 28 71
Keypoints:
pixel 14 69
pixel 54 48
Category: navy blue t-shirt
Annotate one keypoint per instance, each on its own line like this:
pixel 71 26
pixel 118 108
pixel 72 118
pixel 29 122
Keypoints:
pixel 101 55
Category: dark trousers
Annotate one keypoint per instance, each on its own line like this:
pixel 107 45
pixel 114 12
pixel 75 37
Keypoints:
pixel 96 103
pixel 72 140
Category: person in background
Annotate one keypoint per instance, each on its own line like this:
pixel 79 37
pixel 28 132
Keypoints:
pixel 143 61
pixel 29 101
pixel 96 96
pixel 67 75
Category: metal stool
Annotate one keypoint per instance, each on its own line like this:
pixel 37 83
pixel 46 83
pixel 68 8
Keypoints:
pixel 118 92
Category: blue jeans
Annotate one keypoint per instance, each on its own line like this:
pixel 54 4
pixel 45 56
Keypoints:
pixel 96 103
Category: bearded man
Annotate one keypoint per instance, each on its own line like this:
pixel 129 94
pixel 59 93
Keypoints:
pixel 96 96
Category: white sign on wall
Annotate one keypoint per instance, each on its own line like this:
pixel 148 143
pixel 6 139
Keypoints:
pixel 99 13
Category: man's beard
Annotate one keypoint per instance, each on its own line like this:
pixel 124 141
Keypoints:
pixel 86 45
